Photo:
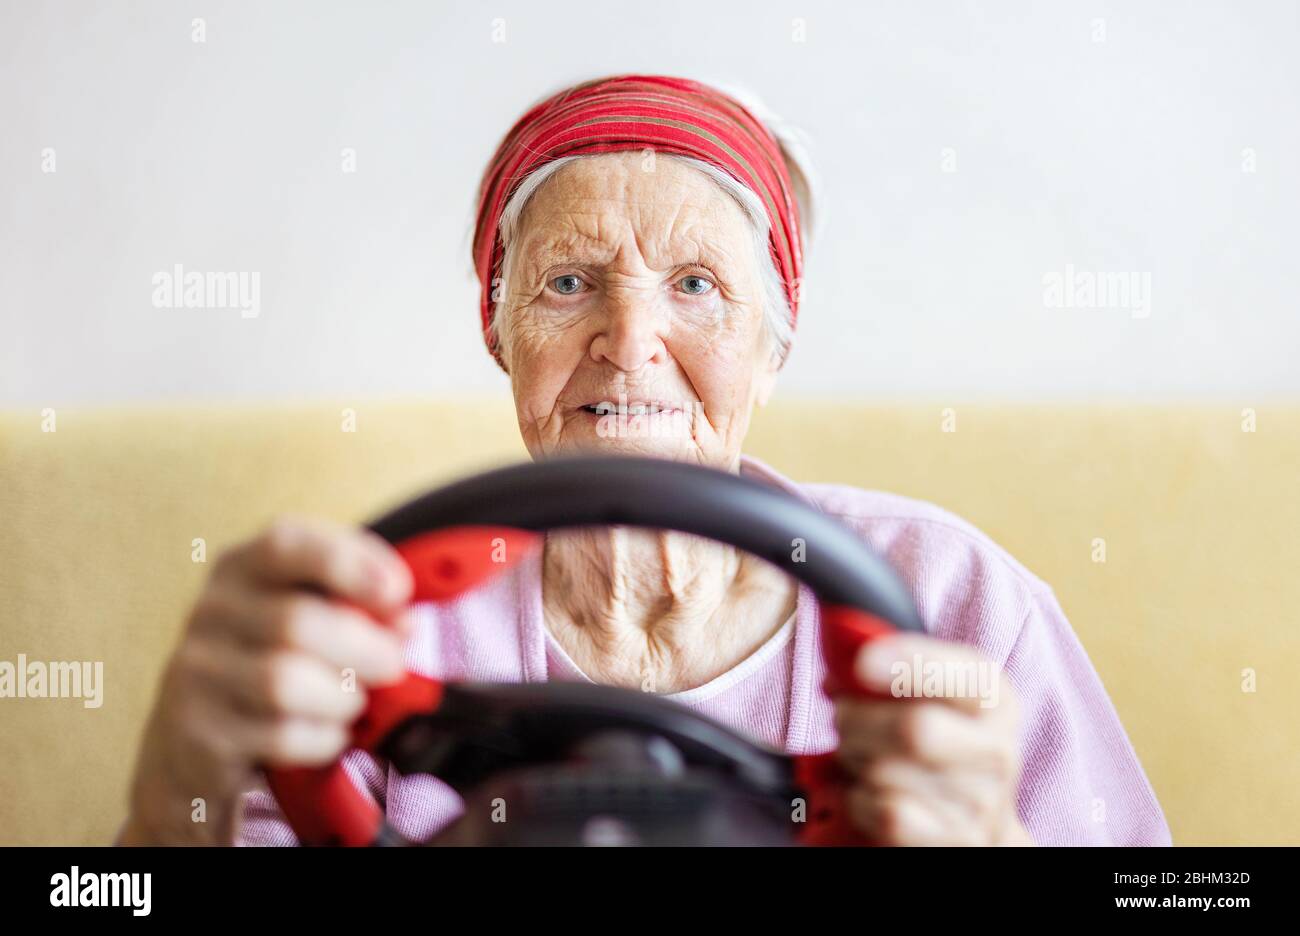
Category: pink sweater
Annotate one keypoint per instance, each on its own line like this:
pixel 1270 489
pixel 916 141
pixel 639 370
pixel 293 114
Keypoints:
pixel 1082 783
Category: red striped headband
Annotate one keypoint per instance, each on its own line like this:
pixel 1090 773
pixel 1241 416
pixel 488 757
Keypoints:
pixel 632 112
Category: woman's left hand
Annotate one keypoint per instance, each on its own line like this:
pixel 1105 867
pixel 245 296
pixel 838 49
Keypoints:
pixel 938 762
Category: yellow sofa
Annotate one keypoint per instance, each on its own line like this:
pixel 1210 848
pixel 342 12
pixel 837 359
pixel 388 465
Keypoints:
pixel 1201 582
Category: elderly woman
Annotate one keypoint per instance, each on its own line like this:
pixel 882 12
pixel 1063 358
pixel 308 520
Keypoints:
pixel 640 251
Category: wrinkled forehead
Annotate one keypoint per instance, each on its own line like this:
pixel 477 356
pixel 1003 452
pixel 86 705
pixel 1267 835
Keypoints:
pixel 596 206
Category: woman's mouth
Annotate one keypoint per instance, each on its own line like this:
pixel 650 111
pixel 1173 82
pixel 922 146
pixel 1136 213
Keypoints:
pixel 642 408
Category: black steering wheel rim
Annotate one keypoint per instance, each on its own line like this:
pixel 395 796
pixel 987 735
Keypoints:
pixel 651 493
pixel 443 534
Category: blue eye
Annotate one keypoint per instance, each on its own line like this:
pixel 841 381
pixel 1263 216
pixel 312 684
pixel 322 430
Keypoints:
pixel 694 285
pixel 566 285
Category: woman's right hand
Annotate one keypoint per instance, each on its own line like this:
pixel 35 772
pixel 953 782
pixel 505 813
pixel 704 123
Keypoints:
pixel 271 670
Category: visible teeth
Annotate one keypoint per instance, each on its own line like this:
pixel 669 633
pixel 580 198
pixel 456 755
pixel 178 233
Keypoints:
pixel 632 409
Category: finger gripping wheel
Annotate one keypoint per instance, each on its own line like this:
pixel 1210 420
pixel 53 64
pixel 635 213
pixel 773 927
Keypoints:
pixel 456 537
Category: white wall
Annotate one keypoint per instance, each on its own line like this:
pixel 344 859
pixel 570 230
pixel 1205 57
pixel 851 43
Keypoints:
pixel 1117 155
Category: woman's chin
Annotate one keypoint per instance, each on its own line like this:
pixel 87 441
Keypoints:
pixel 674 449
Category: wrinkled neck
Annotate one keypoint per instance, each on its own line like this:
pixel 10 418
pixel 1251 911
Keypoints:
pixel 656 609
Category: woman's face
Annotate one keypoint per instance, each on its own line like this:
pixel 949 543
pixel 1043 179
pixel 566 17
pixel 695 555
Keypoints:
pixel 635 288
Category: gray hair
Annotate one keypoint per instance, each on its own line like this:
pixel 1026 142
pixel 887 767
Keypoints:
pixel 778 317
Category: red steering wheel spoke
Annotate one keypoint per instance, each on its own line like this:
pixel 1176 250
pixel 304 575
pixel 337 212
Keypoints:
pixel 323 805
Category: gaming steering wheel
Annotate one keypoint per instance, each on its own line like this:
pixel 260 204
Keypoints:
pixel 582 762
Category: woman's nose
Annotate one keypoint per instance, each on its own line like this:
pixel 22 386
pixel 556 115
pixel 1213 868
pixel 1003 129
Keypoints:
pixel 632 333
